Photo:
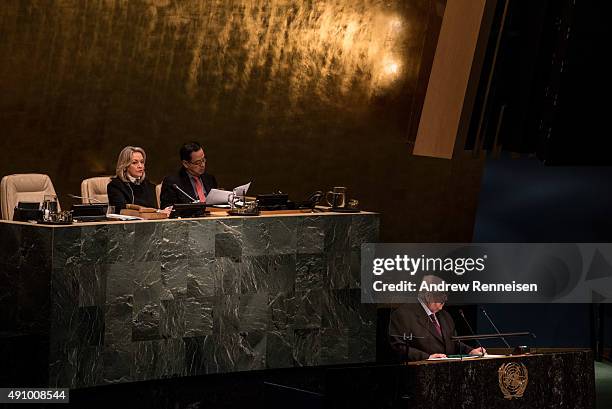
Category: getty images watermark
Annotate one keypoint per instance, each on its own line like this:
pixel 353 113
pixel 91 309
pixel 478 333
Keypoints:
pixel 488 273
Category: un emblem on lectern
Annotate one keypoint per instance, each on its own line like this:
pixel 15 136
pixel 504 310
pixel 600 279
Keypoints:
pixel 513 378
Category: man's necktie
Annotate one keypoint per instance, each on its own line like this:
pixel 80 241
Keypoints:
pixel 436 324
pixel 200 189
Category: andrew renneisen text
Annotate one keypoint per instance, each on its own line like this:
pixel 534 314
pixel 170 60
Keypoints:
pixel 458 266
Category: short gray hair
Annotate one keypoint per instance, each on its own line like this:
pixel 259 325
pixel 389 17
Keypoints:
pixel 432 296
pixel 125 159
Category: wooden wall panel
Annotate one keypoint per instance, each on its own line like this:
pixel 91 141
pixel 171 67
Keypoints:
pixel 448 82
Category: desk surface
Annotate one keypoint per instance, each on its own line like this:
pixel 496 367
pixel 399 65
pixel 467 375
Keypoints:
pixel 497 352
pixel 215 214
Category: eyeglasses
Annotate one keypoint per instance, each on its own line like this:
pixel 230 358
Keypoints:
pixel 200 162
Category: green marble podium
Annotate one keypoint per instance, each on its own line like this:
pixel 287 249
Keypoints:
pixel 132 301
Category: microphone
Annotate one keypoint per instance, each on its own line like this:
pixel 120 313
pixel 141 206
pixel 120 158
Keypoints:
pixel 471 330
pixel 494 327
pixel 185 193
pixel 86 198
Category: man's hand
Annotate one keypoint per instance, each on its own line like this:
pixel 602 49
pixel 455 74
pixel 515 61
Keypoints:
pixel 478 351
pixel 437 356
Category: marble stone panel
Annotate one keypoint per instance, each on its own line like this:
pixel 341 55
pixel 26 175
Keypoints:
pixel 90 327
pixel 148 240
pixel 174 272
pixel 118 362
pixel 362 344
pixel 256 274
pixel 364 229
pixel 229 239
pixel 307 347
pixel 201 238
pixel 92 285
pixel 158 359
pixel 310 272
pixel 256 237
pixel 282 269
pixel 338 274
pixel 66 247
pixel 228 276
pixel 172 321
pixel 252 351
pixel 334 346
pixel 195 359
pixel 198 315
pixel 89 367
pixel 65 303
pixel 175 239
pixel 34 277
pixel 254 312
pixel 283 235
pixel 279 351
pixel 308 309
pixel 226 319
pixel 145 322
pixel 121 243
pixel 119 282
pixel 311 234
pixel 118 322
pixel 201 277
pixel 337 234
pixel 221 352
pixel 282 311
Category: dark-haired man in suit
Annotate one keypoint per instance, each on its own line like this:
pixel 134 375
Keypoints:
pixel 192 178
pixel 430 326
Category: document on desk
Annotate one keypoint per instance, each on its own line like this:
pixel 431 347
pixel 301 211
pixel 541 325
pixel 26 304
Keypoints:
pixel 242 189
pixel 221 197
pixel 123 217
pixel 455 358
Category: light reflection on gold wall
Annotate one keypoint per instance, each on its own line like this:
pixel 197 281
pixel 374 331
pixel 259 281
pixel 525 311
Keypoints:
pixel 345 41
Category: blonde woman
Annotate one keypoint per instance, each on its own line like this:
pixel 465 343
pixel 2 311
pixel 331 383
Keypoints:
pixel 130 185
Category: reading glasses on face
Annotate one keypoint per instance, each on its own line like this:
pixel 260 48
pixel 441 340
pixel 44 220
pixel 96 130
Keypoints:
pixel 199 162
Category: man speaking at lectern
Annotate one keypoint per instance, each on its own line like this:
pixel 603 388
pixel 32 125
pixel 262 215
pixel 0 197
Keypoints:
pixel 191 182
pixel 430 327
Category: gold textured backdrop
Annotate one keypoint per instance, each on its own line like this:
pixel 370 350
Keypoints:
pixel 297 95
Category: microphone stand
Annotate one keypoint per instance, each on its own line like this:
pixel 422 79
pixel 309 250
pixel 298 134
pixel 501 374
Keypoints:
pixel 86 198
pixel 494 327
pixel 472 332
pixel 499 335
pixel 185 193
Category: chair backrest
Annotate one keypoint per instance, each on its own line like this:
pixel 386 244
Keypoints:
pixel 25 187
pixel 158 194
pixel 93 190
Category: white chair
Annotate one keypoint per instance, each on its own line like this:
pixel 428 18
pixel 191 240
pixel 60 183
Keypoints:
pixel 24 187
pixel 93 190
pixel 158 194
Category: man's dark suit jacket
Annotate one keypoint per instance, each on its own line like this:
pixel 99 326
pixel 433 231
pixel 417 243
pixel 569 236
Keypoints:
pixel 412 318
pixel 169 195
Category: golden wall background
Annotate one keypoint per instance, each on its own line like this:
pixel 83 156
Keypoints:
pixel 296 95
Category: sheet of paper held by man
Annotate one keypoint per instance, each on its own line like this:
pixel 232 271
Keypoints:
pixel 220 198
